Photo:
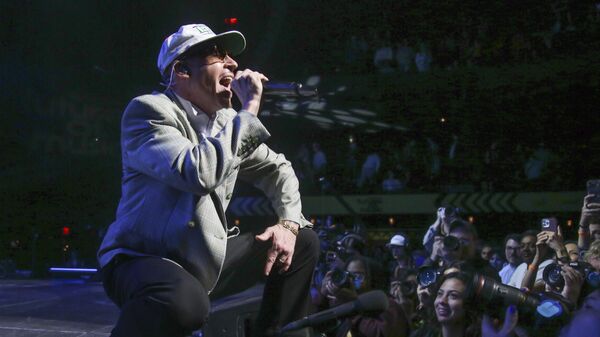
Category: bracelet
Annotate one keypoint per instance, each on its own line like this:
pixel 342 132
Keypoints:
pixel 286 224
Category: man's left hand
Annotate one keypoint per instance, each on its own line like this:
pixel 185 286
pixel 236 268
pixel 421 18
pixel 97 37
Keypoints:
pixel 282 250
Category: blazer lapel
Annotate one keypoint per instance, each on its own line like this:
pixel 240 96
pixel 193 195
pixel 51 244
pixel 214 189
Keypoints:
pixel 193 136
pixel 182 116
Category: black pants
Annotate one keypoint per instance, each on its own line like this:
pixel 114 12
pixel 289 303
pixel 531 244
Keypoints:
pixel 159 298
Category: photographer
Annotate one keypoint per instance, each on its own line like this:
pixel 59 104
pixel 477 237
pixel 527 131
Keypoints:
pixel 403 288
pixel 461 245
pixel 546 240
pixel 441 226
pixel 435 256
pixel 399 249
pixel 341 286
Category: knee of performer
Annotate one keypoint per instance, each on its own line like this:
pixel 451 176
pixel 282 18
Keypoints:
pixel 310 244
pixel 190 306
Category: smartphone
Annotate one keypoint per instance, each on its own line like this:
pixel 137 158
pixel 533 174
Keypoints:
pixel 549 224
pixel 593 187
pixel 330 257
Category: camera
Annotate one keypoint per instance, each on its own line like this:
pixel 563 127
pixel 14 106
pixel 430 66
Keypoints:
pixel 408 288
pixel 486 288
pixel 451 243
pixel 341 278
pixel 489 289
pixel 330 257
pixel 553 277
pixel 428 275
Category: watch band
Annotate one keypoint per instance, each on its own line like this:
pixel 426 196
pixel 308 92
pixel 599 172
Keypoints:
pixel 286 224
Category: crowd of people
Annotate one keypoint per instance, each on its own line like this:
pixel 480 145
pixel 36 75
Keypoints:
pixel 457 282
pixel 471 37
pixel 428 164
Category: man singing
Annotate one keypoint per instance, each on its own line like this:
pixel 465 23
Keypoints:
pixel 170 249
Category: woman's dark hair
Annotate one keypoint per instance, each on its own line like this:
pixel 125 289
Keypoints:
pixel 364 263
pixel 473 309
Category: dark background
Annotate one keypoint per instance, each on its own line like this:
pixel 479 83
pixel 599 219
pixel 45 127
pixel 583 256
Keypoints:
pixel 68 69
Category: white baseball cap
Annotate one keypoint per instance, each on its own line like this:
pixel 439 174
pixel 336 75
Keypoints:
pixel 190 35
pixel 397 240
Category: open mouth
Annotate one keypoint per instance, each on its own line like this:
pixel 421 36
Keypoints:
pixel 226 81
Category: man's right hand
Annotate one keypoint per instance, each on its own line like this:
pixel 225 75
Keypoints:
pixel 247 85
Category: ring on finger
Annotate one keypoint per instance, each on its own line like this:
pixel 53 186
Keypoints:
pixel 282 258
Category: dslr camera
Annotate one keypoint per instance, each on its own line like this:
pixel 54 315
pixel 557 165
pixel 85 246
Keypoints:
pixel 451 243
pixel 428 275
pixel 492 291
pixel 341 278
pixel 553 277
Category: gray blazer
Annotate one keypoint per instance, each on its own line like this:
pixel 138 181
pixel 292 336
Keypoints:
pixel 176 187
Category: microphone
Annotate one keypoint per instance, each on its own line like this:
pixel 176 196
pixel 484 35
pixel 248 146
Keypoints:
pixel 287 89
pixel 375 300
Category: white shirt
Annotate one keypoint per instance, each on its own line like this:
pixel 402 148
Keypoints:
pixel 506 272
pixel 201 122
pixel 517 277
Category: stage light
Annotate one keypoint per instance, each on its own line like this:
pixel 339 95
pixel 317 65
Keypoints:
pixel 570 222
pixel 471 219
pixel 231 21
pixel 66 231
pixel 391 221
pixel 73 270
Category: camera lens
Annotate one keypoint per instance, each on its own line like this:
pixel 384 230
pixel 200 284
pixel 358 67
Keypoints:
pixel 427 276
pixel 451 243
pixel 490 290
pixel 553 277
pixel 593 279
pixel 339 277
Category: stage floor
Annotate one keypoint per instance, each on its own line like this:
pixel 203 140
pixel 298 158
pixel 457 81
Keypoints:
pixel 45 308
pixel 80 308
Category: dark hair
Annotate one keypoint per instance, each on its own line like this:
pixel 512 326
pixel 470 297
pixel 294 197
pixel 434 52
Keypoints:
pixel 529 232
pixel 473 310
pixel 512 236
pixel 462 225
pixel 364 263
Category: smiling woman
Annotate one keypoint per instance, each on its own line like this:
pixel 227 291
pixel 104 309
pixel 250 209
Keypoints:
pixel 455 314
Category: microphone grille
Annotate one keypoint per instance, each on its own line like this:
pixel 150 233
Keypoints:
pixel 375 300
